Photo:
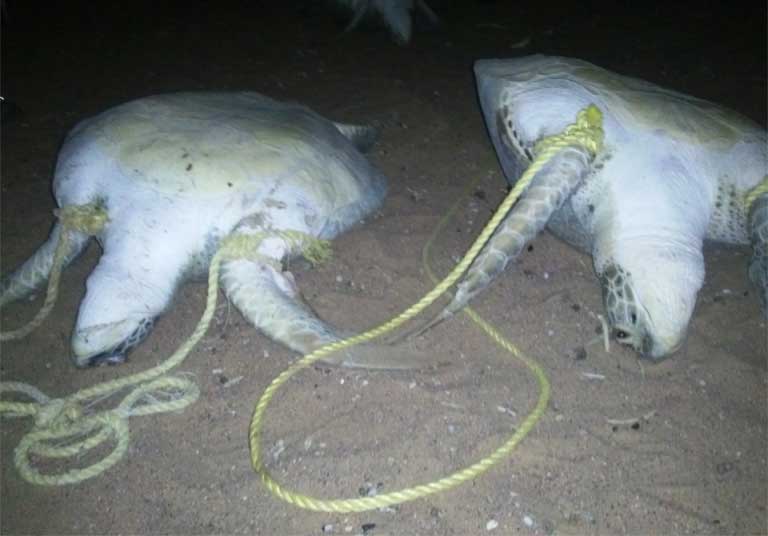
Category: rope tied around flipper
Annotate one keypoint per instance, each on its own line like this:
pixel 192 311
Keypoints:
pixel 245 246
pixel 89 219
pixel 587 133
pixel 754 193
pixel 68 427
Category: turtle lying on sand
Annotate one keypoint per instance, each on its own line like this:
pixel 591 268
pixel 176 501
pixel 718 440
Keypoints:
pixel 674 171
pixel 395 14
pixel 176 174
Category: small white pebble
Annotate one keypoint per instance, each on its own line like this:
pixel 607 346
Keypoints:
pixel 365 382
pixel 702 383
pixel 528 521
pixel 550 332
pixel 411 385
pixel 233 381
pixel 348 528
pixel 339 279
pixel 546 275
pixel 217 371
pixel 266 353
pixel 328 527
pixel 492 524
pixel 726 291
pixel 341 381
pixel 278 449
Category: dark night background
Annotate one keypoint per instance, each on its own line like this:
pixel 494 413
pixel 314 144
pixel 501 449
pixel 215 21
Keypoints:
pixel 697 466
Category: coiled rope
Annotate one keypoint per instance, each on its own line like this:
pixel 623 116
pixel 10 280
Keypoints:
pixel 63 426
pixel 587 133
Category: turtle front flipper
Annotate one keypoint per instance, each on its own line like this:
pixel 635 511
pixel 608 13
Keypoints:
pixel 268 298
pixel 35 271
pixel 758 236
pixel 549 189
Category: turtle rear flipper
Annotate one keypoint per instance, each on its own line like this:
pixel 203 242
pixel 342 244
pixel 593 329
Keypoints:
pixel 35 271
pixel 362 136
pixel 758 236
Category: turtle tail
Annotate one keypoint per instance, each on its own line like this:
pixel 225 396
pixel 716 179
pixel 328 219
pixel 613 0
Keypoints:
pixel 362 136
pixel 35 271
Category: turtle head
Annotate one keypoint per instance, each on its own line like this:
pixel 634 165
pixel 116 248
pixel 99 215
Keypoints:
pixel 649 297
pixel 108 343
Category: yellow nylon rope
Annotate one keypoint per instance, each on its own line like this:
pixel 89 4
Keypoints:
pixel 586 132
pixel 757 191
pixel 88 219
pixel 65 422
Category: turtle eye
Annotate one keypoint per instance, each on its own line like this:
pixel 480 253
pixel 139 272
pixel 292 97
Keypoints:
pixel 621 334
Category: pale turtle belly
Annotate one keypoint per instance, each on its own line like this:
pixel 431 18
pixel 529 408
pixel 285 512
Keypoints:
pixel 566 225
pixel 573 222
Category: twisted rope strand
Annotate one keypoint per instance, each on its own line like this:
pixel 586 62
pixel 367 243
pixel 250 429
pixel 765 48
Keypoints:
pixel 64 420
pixel 587 133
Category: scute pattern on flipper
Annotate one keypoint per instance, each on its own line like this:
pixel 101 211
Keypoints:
pixel 729 215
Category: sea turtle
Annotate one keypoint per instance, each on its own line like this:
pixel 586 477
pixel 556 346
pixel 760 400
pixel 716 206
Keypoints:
pixel 674 171
pixel 395 14
pixel 176 173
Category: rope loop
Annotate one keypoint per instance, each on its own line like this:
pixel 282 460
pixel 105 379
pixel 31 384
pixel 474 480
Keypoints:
pixel 63 429
pixel 242 245
pixel 586 132
pixel 57 413
pixel 89 219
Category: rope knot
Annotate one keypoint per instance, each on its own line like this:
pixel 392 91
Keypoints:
pixel 56 413
pixel 245 246
pixel 89 219
pixel 586 132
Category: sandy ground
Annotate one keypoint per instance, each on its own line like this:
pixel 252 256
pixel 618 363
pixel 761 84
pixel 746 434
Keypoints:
pixel 696 464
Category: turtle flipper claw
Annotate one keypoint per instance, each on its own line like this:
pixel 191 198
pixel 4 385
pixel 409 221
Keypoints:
pixel 382 357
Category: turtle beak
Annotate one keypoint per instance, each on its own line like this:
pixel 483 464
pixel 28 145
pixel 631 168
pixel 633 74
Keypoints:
pixel 108 344
pixel 654 350
pixel 659 351
pixel 644 343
